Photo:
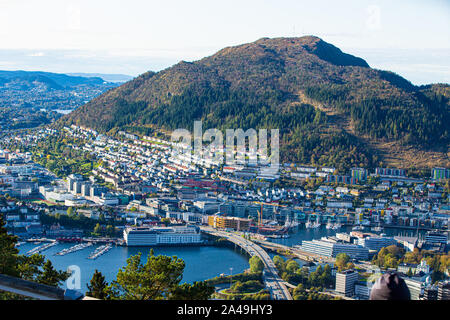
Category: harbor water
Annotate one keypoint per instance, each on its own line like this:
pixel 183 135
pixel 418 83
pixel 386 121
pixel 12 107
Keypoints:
pixel 202 262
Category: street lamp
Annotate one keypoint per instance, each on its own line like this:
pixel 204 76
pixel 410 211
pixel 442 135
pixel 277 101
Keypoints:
pixel 231 277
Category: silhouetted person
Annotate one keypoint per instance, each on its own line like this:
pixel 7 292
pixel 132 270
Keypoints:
pixel 390 287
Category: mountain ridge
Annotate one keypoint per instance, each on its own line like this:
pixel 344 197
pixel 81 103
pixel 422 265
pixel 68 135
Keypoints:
pixel 260 84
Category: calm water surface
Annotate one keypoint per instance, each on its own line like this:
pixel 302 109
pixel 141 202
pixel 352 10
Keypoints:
pixel 201 262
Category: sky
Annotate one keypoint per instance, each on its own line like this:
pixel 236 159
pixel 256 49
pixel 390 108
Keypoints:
pixel 411 38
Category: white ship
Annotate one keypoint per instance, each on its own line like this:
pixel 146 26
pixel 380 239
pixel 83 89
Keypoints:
pixel 153 236
pixel 337 226
pixel 312 225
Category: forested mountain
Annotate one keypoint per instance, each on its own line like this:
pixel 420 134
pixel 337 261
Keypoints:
pixel 331 107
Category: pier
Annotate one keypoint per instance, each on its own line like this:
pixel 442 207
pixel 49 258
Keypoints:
pixel 75 248
pixel 41 248
pixel 100 251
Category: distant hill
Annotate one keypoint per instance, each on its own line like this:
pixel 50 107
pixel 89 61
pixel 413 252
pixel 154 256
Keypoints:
pixel 33 98
pixel 52 80
pixel 106 77
pixel 331 107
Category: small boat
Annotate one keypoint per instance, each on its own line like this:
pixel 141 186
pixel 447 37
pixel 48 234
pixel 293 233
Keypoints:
pixel 378 228
pixel 337 226
pixel 312 225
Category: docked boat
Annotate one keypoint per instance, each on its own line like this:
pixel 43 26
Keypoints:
pixel 312 225
pixel 41 248
pixel 378 228
pixel 100 251
pixel 75 248
pixel 336 226
pixel 358 228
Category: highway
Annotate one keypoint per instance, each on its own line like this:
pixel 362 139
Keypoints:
pixel 306 256
pixel 276 286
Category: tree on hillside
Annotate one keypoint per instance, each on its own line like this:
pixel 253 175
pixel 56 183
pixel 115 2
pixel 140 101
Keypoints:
pixel 343 262
pixel 156 279
pixel 8 252
pixel 279 263
pixel 196 291
pixel 97 287
pixel 292 266
pixel 50 276
pixel 256 265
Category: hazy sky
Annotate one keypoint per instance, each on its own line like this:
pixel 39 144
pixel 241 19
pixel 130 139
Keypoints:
pixel 410 37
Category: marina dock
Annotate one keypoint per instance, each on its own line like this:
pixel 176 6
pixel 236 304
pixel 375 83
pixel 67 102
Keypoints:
pixel 100 251
pixel 41 248
pixel 75 248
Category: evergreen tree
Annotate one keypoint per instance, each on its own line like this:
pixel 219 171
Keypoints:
pixel 8 252
pixel 196 291
pixel 156 279
pixel 97 288
pixel 50 276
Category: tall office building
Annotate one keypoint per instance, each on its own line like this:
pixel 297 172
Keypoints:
pixel 444 290
pixel 415 287
pixel 345 282
pixel 430 293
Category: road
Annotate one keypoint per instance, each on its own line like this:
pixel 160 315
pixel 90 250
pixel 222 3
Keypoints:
pixel 276 286
pixel 307 256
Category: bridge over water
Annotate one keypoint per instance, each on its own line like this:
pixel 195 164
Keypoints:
pixel 277 287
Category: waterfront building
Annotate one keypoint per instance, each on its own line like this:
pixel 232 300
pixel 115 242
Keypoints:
pixel 154 236
pixel 330 248
pixel 354 251
pixel 320 247
pixel 345 282
pixel 376 243
pixel 229 223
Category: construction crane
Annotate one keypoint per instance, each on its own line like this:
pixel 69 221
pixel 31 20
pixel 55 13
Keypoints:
pixel 260 213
